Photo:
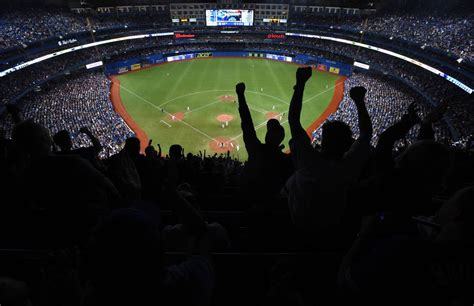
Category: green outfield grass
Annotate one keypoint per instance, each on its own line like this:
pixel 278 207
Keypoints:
pixel 200 84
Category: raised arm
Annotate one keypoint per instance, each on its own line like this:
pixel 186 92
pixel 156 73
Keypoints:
pixel 383 151
pixel 426 127
pixel 302 76
pixel 159 150
pixel 250 136
pixel 365 125
pixel 95 142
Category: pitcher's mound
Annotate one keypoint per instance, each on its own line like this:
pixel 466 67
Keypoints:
pixel 177 116
pixel 227 98
pixel 272 115
pixel 222 145
pixel 224 118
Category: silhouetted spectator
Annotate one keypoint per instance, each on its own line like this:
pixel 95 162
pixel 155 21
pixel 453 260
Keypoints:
pixel 317 190
pixel 82 195
pixel 268 167
pixel 124 170
pixel 63 140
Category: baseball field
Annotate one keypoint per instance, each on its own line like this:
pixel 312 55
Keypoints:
pixel 193 103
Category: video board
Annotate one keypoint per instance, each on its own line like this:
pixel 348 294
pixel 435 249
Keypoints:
pixel 229 18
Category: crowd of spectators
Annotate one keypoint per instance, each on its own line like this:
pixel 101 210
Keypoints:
pixel 434 88
pixel 387 102
pixel 73 102
pixel 345 220
pixel 30 25
pixel 375 209
pixel 15 83
pixel 26 26
pixel 448 33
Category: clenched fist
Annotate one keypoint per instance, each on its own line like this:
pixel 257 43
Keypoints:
pixel 358 93
pixel 240 88
pixel 303 74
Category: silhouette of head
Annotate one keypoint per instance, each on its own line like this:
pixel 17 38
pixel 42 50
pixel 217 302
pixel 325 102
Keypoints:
pixel 275 133
pixel 63 140
pixel 132 145
pixel 32 138
pixel 336 139
pixel 150 152
pixel 176 151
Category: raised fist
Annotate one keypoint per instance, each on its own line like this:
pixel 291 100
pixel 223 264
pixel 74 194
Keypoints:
pixel 303 74
pixel 240 88
pixel 358 93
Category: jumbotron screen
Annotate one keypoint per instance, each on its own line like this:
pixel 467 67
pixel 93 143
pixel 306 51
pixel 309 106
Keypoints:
pixel 229 18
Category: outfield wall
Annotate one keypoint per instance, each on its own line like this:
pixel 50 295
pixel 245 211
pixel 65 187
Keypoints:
pixel 143 62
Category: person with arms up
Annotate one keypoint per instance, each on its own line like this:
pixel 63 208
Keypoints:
pixel 317 189
pixel 268 167
pixel 63 140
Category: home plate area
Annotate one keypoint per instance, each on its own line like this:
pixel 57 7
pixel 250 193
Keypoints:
pixel 223 144
pixel 176 116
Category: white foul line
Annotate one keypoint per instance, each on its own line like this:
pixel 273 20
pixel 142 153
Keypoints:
pixel 213 90
pixel 162 121
pixel 169 114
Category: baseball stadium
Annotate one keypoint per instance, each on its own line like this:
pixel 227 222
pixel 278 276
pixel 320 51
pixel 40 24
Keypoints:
pixel 205 115
pixel 234 152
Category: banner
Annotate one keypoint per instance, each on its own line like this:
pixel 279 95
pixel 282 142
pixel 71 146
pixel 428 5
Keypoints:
pixel 204 54
pixel 334 70
pixel 322 67
pixel 361 65
pixel 135 66
pixel 93 65
pixel 279 57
